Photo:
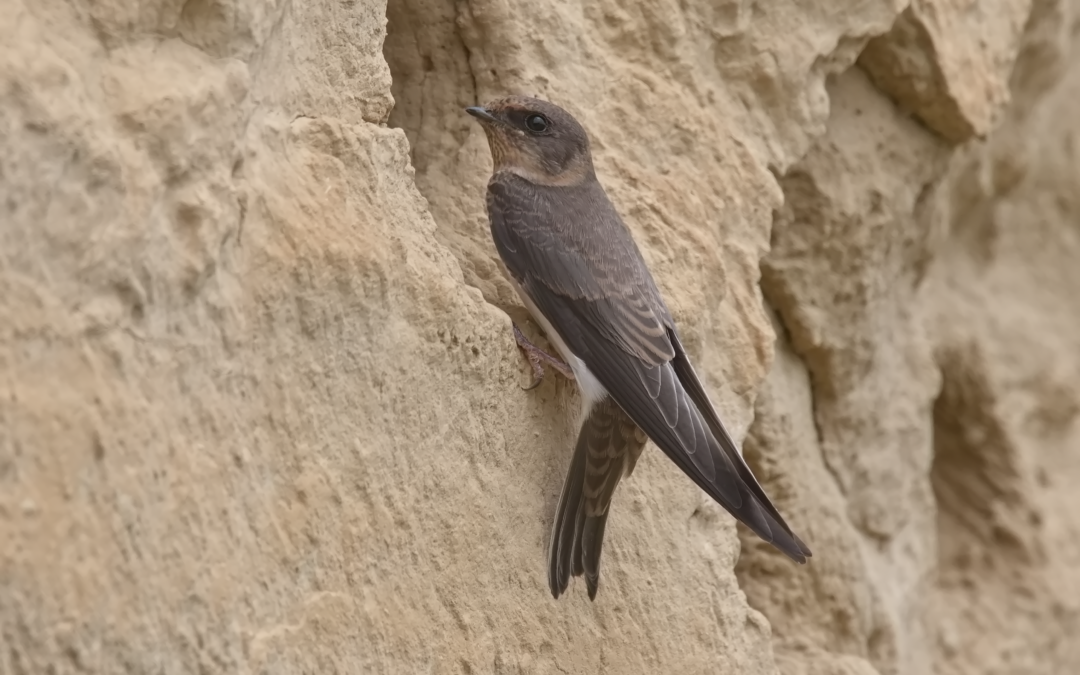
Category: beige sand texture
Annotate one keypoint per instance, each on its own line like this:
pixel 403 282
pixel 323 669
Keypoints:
pixel 260 405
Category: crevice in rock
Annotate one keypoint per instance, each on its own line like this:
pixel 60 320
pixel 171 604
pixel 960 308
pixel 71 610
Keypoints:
pixel 982 514
pixel 803 202
pixel 433 82
pixel 784 336
pixel 990 557
pixel 430 70
pixel 1044 52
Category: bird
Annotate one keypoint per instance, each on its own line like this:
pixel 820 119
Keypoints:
pixel 577 269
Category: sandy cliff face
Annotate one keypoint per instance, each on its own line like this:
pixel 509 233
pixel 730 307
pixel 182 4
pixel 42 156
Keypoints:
pixel 260 407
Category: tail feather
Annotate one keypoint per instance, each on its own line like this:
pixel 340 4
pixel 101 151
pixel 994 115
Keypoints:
pixel 607 446
pixel 564 539
pixel 592 540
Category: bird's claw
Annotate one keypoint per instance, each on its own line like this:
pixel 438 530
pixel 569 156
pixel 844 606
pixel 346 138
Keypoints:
pixel 537 368
pixel 537 357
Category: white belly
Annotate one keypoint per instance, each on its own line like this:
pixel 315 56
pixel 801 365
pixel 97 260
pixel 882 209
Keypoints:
pixel 591 389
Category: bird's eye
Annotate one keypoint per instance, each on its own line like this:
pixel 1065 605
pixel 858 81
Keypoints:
pixel 536 123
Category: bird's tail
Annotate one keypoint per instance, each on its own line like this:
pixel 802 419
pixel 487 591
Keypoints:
pixel 607 448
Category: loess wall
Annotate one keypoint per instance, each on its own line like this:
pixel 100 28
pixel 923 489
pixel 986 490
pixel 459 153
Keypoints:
pixel 260 405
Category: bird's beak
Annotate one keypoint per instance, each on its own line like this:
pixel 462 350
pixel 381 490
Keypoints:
pixel 482 114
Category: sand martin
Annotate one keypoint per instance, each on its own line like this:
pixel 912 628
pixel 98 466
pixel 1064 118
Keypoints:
pixel 578 271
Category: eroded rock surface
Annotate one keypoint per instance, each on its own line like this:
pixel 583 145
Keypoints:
pixel 260 407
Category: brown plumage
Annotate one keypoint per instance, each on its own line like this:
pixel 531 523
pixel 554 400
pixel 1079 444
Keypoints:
pixel 578 270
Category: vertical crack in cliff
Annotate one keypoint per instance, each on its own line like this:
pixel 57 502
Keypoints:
pixel 803 204
pixel 991 561
pixel 433 76
pixel 982 515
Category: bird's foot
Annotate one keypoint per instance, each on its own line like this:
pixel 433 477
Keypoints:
pixel 537 358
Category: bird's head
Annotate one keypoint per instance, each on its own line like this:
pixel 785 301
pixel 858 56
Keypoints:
pixel 536 140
